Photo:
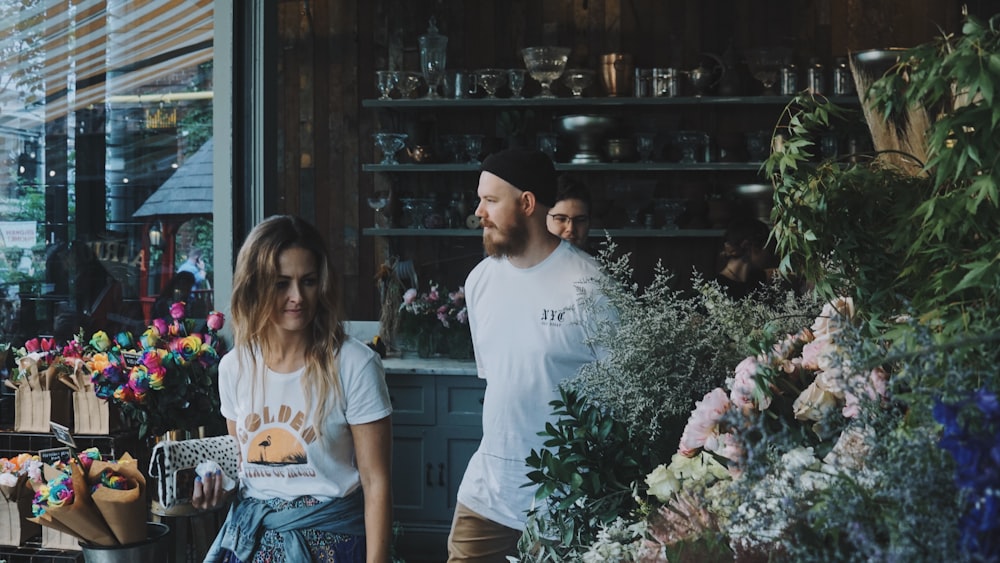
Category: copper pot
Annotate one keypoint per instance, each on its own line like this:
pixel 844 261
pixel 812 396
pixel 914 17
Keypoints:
pixel 617 74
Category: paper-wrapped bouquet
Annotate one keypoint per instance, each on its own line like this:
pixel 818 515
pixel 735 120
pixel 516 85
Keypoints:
pixel 100 502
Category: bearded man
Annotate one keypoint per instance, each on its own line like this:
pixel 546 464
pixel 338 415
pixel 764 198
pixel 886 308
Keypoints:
pixel 531 330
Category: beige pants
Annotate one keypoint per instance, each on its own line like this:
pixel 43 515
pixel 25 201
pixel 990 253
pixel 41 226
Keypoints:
pixel 478 540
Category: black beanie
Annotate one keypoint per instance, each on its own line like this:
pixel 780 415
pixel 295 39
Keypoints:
pixel 527 170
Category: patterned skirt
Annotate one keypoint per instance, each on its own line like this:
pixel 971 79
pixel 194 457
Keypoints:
pixel 324 547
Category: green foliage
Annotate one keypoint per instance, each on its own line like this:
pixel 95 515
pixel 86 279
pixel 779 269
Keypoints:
pixel 586 479
pixel 669 347
pixel 898 240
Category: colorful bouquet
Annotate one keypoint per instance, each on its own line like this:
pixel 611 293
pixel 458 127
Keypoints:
pixel 437 320
pixel 164 380
pixel 718 485
pixel 101 502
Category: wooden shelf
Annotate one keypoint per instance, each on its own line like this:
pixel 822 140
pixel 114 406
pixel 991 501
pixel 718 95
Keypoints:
pixel 589 167
pixel 624 101
pixel 594 232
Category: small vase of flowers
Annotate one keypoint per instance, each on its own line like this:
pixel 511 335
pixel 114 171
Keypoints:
pixel 437 321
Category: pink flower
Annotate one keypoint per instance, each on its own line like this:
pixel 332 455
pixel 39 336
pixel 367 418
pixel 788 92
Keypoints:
pixel 160 325
pixel 409 296
pixel 744 385
pixel 704 421
pixel 177 311
pixel 32 345
pixel 215 320
pixel 857 387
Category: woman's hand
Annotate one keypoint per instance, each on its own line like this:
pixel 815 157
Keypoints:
pixel 208 492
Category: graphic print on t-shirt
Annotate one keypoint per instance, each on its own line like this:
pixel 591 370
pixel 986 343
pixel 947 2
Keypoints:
pixel 275 446
pixel 276 443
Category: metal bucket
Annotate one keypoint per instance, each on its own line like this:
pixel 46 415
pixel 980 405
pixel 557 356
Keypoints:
pixel 617 74
pixel 147 551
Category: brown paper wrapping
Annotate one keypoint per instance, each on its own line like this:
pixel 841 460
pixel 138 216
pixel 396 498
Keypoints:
pixel 81 518
pixel 123 510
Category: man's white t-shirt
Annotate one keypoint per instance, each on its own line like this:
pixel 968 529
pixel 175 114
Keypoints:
pixel 283 455
pixel 529 332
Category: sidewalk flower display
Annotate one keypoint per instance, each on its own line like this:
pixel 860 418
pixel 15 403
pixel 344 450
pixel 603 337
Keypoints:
pixel 166 379
pixel 437 320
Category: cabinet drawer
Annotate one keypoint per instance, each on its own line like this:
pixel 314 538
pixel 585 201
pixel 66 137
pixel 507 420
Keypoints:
pixel 412 398
pixel 460 401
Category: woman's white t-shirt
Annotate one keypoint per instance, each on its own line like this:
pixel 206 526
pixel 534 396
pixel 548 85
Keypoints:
pixel 283 455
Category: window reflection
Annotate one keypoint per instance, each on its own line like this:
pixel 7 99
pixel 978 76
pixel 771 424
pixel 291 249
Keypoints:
pixel 105 138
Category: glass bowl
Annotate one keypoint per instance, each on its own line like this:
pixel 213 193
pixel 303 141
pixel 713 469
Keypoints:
pixel 546 65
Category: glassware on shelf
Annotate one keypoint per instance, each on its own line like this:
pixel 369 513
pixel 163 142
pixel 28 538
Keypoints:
pixel 764 63
pixel 378 201
pixel 473 147
pixel 644 144
pixel 407 83
pixel 390 144
pixel 669 210
pixel 546 65
pixel 409 209
pixel 688 142
pixel 589 132
pixel 633 197
pixel 490 80
pixel 758 145
pixel 578 80
pixel 386 81
pixel 433 55
pixel 548 143
pixel 515 80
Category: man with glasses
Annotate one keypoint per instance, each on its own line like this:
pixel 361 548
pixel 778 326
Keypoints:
pixel 569 218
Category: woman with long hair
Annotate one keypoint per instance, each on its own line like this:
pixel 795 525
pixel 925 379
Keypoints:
pixel 310 410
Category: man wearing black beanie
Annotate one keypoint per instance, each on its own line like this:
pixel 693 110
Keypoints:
pixel 529 329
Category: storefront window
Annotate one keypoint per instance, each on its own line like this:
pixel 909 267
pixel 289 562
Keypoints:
pixel 106 184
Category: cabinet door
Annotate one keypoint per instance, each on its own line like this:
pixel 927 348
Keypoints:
pixel 412 398
pixel 460 400
pixel 415 491
pixel 459 445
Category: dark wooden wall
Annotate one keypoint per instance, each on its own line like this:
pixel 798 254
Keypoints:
pixel 328 51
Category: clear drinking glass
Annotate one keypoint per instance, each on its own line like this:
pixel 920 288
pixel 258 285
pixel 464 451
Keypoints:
pixel 490 79
pixel 407 83
pixel 546 65
pixel 473 147
pixel 548 143
pixel 378 201
pixel 386 81
pixel 577 80
pixel 515 79
pixel 644 143
pixel 390 144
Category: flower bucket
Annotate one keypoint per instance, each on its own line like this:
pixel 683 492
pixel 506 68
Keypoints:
pixel 148 550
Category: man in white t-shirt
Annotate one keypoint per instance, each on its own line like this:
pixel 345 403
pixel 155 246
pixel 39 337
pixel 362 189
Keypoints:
pixel 530 332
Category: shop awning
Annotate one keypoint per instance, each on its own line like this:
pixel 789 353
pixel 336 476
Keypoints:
pixel 187 192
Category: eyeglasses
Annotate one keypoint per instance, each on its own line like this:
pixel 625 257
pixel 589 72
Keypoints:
pixel 564 219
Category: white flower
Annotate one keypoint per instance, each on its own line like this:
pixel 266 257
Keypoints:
pixel 662 483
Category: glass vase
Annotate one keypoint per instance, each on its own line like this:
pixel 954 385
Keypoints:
pixel 428 342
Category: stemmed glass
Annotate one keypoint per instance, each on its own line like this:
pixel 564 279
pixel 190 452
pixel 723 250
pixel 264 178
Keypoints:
pixel 407 83
pixel 764 64
pixel 577 80
pixel 546 65
pixel 515 79
pixel 689 142
pixel 473 147
pixel 491 79
pixel 378 202
pixel 390 144
pixel 386 81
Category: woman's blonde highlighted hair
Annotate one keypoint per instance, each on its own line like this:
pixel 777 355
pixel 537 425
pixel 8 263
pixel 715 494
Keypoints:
pixel 255 293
